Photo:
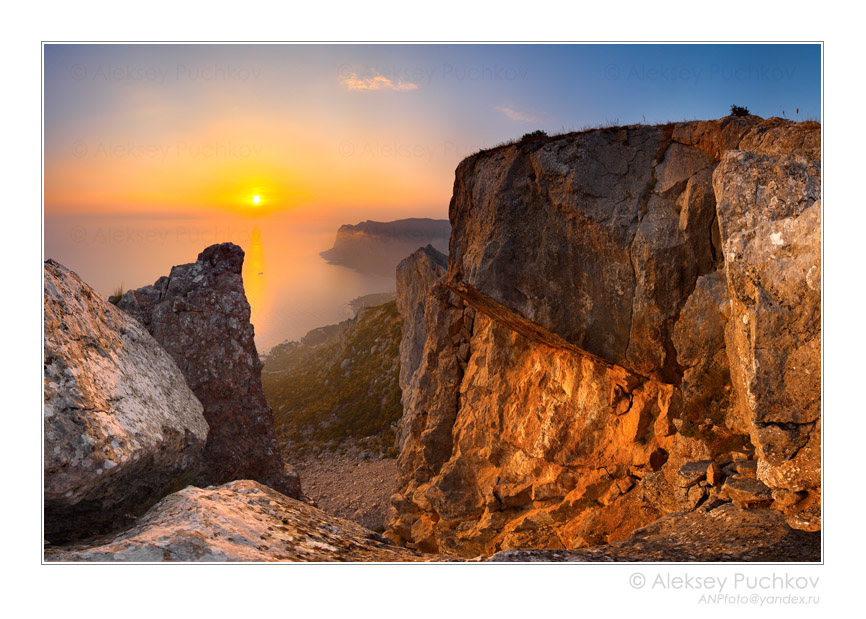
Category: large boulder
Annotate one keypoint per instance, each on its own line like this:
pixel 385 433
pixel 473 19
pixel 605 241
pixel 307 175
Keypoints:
pixel 770 218
pixel 595 239
pixel 239 521
pixel 121 426
pixel 200 315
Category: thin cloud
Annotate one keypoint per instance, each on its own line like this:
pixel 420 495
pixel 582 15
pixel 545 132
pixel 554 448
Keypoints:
pixel 517 115
pixel 379 82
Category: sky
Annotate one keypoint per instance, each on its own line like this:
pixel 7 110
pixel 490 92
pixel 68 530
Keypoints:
pixel 377 130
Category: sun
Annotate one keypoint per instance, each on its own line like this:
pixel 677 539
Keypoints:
pixel 256 200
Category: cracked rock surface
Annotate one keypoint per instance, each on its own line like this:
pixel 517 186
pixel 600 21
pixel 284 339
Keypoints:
pixel 724 533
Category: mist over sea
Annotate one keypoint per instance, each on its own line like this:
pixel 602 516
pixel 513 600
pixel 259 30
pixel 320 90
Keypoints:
pixel 291 289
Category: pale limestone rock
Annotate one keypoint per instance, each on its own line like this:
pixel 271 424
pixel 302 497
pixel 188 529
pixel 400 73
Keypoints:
pixel 238 521
pixel 121 426
pixel 770 218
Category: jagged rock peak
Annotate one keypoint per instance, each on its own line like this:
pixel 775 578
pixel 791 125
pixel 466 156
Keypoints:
pixel 200 315
pixel 226 257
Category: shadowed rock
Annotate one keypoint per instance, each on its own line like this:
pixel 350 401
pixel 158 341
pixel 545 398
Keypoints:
pixel 596 237
pixel 416 274
pixel 121 427
pixel 200 315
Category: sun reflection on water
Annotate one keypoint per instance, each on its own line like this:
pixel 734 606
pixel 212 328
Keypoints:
pixel 254 277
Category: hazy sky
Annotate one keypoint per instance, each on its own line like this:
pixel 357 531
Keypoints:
pixel 378 129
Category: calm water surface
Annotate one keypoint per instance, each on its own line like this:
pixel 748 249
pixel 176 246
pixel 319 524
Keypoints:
pixel 290 288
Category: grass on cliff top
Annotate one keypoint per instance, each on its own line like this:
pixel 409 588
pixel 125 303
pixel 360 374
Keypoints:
pixel 538 135
pixel 609 124
pixel 319 399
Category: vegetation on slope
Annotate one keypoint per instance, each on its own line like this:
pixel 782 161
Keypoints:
pixel 339 383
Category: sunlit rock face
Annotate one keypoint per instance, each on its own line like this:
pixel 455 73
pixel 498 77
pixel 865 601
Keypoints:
pixel 121 426
pixel 576 379
pixel 238 521
pixel 200 315
pixel 709 533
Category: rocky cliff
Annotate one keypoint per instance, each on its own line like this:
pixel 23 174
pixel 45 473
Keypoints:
pixel 629 326
pixel 121 427
pixel 377 246
pixel 415 277
pixel 125 436
pixel 200 315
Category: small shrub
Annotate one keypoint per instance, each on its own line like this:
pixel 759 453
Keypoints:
pixel 737 110
pixel 118 292
pixel 538 133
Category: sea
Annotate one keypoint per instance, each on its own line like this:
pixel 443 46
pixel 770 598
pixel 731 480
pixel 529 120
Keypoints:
pixel 291 289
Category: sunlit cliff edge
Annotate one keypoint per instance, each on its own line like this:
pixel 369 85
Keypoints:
pixel 629 327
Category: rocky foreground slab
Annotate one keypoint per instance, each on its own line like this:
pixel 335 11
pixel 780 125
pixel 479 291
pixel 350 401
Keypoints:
pixel 238 521
pixel 245 521
pixel 712 533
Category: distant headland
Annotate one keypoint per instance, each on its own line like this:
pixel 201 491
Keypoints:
pixel 377 247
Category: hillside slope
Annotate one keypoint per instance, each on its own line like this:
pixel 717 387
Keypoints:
pixel 338 384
